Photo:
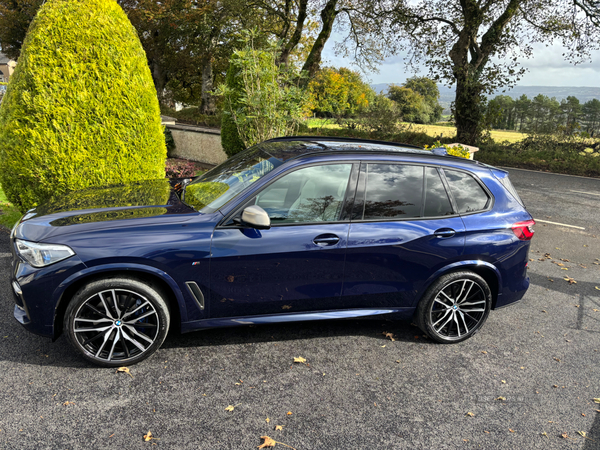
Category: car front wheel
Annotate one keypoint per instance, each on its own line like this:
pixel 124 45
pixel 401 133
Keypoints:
pixel 454 307
pixel 117 321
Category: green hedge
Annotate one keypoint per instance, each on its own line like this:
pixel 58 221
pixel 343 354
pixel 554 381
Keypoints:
pixel 230 135
pixel 81 108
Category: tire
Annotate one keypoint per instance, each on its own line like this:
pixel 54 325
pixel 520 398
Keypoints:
pixel 454 307
pixel 117 321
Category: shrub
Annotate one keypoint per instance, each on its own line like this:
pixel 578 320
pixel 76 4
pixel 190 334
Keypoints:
pixel 81 108
pixel 169 142
pixel 261 98
pixel 230 136
pixel 180 168
pixel 382 116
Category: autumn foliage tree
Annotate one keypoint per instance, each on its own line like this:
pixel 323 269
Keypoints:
pixel 339 93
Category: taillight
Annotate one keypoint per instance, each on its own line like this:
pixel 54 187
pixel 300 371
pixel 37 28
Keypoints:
pixel 524 230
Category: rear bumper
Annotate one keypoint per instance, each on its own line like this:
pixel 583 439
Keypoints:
pixel 512 294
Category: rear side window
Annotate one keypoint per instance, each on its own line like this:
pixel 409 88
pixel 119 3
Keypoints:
pixel 437 202
pixel 393 191
pixel 467 192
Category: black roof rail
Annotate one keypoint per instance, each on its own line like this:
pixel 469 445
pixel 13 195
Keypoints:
pixel 342 139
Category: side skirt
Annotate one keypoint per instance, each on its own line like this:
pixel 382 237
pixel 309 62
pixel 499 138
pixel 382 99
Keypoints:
pixel 398 314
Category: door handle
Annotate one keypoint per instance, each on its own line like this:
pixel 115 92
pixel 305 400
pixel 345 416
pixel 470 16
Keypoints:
pixel 324 240
pixel 444 232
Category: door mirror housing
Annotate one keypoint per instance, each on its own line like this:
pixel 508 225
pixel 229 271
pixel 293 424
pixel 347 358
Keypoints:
pixel 256 217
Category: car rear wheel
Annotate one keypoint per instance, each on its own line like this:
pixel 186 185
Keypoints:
pixel 454 307
pixel 117 321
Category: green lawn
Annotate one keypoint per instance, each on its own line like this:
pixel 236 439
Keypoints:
pixel 431 130
pixel 9 215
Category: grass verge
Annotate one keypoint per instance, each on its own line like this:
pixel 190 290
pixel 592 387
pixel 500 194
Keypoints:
pixel 9 215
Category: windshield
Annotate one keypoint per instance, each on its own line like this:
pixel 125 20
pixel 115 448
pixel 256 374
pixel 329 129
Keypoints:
pixel 216 187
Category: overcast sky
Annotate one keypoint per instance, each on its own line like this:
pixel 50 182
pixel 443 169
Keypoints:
pixel 546 68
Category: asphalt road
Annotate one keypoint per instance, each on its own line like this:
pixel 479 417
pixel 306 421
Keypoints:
pixel 358 390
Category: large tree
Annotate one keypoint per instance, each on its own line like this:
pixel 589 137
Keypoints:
pixel 477 44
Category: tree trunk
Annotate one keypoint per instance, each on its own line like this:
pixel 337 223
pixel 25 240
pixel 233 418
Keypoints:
pixel 160 81
pixel 207 106
pixel 468 110
pixel 293 42
pixel 328 15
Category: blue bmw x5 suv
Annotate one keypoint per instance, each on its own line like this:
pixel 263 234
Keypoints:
pixel 301 228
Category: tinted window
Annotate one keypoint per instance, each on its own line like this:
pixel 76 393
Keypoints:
pixel 467 192
pixel 436 197
pixel 393 191
pixel 312 194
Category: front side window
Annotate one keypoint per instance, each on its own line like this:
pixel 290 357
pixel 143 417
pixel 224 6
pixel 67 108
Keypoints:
pixel 467 192
pixel 393 191
pixel 309 195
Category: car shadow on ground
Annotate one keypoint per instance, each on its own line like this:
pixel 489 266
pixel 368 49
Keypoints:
pixel 26 348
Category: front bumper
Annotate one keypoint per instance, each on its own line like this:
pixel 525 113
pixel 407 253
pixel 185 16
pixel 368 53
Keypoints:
pixel 36 292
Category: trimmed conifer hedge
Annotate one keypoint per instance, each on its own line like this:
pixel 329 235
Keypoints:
pixel 81 108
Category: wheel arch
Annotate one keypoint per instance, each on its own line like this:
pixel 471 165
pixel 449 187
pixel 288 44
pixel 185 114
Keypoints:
pixel 484 269
pixel 156 278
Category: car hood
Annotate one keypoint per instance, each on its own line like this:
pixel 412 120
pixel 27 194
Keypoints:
pixel 131 204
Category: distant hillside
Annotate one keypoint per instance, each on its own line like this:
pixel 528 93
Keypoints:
pixel 584 94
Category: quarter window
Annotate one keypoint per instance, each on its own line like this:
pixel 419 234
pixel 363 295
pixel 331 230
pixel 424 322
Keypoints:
pixel 393 191
pixel 467 192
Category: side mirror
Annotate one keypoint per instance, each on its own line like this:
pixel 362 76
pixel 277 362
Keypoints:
pixel 256 217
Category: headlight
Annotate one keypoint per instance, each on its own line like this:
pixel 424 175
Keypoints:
pixel 40 255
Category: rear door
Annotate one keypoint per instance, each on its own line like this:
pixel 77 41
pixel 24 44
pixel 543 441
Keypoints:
pixel 403 229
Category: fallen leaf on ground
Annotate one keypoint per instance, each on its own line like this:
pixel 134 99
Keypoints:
pixel 484 352
pixel 124 370
pixel 596 400
pixel 289 413
pixel 268 442
pixel 67 403
pixel 570 280
pixel 503 381
pixel 597 287
pixel 501 398
pixel 565 436
pixel 389 335
pixel 556 359
pixel 148 437
pixel 470 414
pixel 299 359
pixel 544 434
pixel 278 427
pixel 512 431
pixel 267 420
pixel 230 408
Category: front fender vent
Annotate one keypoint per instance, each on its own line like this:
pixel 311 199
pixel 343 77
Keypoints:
pixel 196 293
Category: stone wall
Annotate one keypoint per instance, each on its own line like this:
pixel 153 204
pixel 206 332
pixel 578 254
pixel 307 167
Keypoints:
pixel 200 144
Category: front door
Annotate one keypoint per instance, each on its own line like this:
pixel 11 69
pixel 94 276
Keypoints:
pixel 298 264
